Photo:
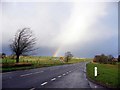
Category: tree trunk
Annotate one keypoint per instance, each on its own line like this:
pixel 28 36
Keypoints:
pixel 17 59
pixel 67 58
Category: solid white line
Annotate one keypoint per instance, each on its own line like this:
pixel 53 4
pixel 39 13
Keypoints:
pixel 26 74
pixel 53 79
pixel 32 88
pixel 44 83
pixel 63 74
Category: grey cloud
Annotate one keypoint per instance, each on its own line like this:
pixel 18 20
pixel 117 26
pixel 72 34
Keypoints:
pixel 84 29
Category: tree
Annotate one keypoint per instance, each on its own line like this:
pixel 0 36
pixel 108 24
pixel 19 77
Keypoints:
pixel 103 59
pixel 110 58
pixel 118 58
pixel 3 55
pixel 23 43
pixel 68 56
pixel 97 58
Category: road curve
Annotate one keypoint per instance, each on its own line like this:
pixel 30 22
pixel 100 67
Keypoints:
pixel 63 76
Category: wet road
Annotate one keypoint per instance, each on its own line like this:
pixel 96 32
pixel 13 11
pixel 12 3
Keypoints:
pixel 64 76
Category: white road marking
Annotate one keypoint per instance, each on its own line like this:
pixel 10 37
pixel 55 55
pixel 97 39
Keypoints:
pixel 26 74
pixel 59 76
pixel 6 72
pixel 95 86
pixel 69 71
pixel 53 79
pixel 44 83
pixel 64 74
pixel 32 88
pixel 37 72
pixel 30 73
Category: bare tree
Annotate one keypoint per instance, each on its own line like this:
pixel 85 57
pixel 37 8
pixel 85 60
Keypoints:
pixel 23 43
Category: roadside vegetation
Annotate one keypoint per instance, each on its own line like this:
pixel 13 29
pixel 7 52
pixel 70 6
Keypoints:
pixel 107 71
pixel 29 62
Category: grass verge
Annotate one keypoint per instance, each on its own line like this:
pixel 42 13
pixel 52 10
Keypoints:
pixel 107 74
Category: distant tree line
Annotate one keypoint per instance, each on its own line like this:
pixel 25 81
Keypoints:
pixel 106 59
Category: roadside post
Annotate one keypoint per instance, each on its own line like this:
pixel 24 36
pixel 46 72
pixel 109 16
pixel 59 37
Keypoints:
pixel 95 71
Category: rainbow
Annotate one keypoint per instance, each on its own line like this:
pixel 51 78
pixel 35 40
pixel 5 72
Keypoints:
pixel 56 52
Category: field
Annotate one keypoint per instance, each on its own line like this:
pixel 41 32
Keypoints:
pixel 107 74
pixel 29 62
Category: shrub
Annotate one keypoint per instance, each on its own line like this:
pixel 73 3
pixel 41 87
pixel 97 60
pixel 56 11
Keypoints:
pixel 17 65
pixel 22 64
pixel 104 59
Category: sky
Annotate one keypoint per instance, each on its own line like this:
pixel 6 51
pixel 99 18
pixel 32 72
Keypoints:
pixel 83 28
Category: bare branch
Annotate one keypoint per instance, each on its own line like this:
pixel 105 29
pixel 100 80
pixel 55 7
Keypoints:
pixel 23 42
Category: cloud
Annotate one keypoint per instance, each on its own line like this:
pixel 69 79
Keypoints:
pixel 0 27
pixel 83 26
pixel 62 25
pixel 43 18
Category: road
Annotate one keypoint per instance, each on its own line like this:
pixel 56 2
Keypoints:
pixel 63 76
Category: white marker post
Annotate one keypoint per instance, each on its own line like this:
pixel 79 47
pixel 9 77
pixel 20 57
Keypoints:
pixel 95 71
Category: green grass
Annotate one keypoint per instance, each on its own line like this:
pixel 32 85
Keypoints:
pixel 37 62
pixel 107 74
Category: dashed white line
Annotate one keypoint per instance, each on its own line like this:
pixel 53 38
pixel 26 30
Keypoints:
pixel 7 72
pixel 95 86
pixel 53 79
pixel 44 83
pixel 26 74
pixel 37 72
pixel 67 72
pixel 64 74
pixel 30 73
pixel 32 88
pixel 59 76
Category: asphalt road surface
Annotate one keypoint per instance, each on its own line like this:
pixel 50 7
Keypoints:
pixel 63 76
